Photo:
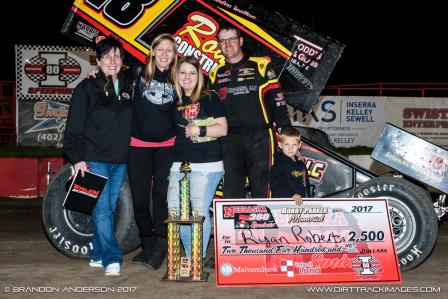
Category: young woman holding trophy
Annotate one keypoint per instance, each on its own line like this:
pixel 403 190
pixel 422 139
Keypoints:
pixel 200 121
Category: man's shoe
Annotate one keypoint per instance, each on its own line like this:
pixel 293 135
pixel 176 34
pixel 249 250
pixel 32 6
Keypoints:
pixel 112 269
pixel 156 259
pixel 96 264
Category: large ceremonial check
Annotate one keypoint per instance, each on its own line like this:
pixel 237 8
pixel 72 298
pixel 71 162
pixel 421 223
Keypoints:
pixel 331 241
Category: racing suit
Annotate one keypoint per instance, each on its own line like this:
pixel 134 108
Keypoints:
pixel 253 101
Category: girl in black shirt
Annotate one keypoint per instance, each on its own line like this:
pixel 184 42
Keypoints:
pixel 152 148
pixel 197 143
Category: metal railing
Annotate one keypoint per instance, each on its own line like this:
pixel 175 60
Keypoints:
pixel 389 89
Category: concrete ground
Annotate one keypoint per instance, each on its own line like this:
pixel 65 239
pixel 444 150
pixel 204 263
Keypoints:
pixel 27 259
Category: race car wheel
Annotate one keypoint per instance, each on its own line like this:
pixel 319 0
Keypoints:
pixel 70 232
pixel 413 219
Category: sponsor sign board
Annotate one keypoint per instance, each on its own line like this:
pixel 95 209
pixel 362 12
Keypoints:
pixel 425 117
pixel 348 120
pixel 46 77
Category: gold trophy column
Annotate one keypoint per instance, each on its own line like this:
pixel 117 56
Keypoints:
pixel 174 222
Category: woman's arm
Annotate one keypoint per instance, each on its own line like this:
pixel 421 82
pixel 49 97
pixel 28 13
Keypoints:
pixel 74 129
pixel 218 129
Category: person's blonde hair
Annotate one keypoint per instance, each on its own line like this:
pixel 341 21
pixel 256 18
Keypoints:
pixel 150 67
pixel 199 89
pixel 288 132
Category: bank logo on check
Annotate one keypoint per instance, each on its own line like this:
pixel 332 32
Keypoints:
pixel 288 267
pixel 226 269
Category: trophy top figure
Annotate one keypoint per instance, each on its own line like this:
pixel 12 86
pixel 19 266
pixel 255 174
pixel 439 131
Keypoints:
pixel 173 213
pixel 195 213
pixel 185 167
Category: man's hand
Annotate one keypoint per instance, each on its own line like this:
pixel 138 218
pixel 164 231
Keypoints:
pixel 81 166
pixel 298 199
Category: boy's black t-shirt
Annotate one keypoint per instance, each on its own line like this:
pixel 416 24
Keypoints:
pixel 186 150
pixel 288 177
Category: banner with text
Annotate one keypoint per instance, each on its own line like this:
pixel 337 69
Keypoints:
pixel 348 121
pixel 358 121
pixel 46 77
pixel 50 72
pixel 425 117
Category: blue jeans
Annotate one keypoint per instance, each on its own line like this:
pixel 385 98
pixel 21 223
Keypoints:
pixel 104 243
pixel 202 190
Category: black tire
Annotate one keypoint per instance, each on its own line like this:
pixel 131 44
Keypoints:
pixel 414 221
pixel 70 232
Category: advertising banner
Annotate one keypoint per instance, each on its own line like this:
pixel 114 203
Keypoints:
pixel 46 77
pixel 331 241
pixel 425 117
pixel 348 120
pixel 41 122
pixel 302 59
pixel 50 72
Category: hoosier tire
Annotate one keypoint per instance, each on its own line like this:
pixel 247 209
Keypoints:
pixel 414 222
pixel 70 232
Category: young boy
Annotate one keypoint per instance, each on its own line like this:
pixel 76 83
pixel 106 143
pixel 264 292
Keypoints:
pixel 288 176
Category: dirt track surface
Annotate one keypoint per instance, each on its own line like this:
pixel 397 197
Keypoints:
pixel 27 259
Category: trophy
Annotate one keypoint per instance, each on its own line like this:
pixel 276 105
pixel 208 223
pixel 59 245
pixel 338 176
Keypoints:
pixel 182 268
pixel 184 192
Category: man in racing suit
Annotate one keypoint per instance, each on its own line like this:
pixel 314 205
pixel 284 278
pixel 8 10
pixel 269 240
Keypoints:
pixel 253 100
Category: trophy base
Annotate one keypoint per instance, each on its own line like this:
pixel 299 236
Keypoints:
pixel 204 278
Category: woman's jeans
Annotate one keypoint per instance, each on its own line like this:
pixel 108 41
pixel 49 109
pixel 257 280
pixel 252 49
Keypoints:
pixel 202 190
pixel 104 243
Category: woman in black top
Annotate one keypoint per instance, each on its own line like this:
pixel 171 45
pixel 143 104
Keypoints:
pixel 97 139
pixel 197 144
pixel 152 148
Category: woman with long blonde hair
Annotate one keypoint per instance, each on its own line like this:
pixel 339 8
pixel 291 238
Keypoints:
pixel 200 121
pixel 152 148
